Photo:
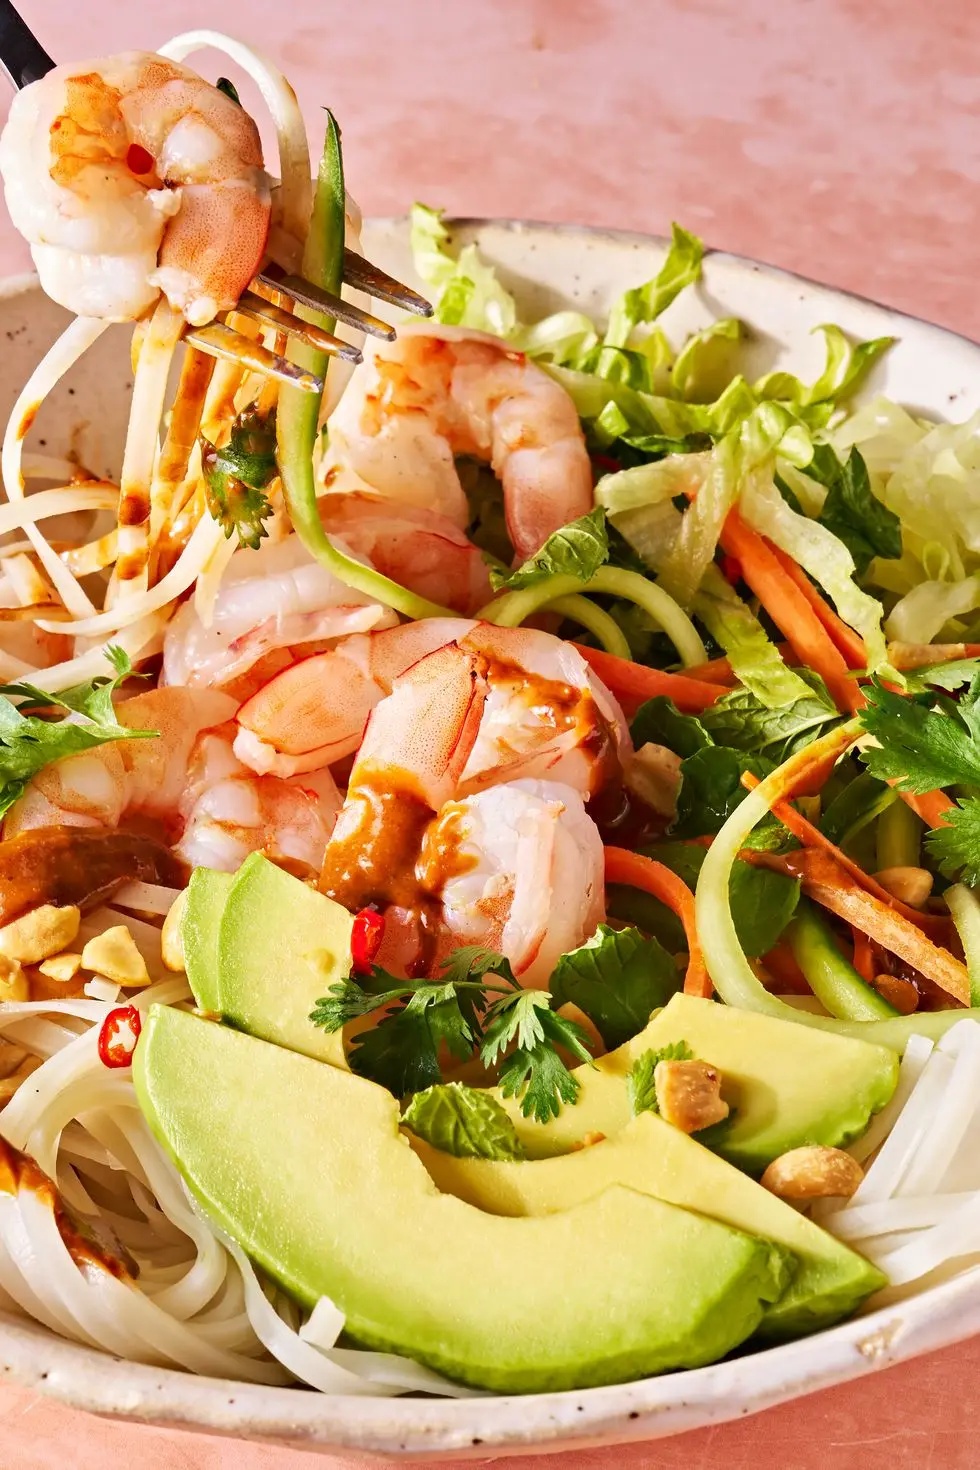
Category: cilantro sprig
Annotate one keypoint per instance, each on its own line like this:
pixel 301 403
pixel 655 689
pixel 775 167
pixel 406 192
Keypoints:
pixel 640 1083
pixel 237 475
pixel 29 742
pixel 476 1005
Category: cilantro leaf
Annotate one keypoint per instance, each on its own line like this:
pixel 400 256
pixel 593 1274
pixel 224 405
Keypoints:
pixel 236 477
pixel 534 1071
pixel 955 845
pixel 28 743
pixel 576 550
pixel 948 676
pixel 467 1122
pixel 618 977
pixel 399 1053
pixel 639 1080
pixel 920 747
pixel 851 511
pixel 658 720
pixel 742 722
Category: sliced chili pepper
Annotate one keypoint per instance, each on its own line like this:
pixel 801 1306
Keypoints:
pixel 138 160
pixel 731 570
pixel 365 940
pixel 118 1036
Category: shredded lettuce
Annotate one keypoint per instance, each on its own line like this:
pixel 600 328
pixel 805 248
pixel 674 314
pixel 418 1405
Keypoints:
pixel 756 661
pixel 467 289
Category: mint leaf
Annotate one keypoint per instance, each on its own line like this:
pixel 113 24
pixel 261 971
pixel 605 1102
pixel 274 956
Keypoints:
pixel 660 722
pixel 576 550
pixel 955 845
pixel 948 676
pixel 743 722
pixel 851 511
pixel 466 1122
pixel 861 801
pixel 922 747
pixel 639 1080
pixel 618 978
pixel 711 789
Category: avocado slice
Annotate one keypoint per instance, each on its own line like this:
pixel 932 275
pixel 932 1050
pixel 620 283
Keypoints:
pixel 304 1165
pixel 207 893
pixel 281 945
pixel 649 1155
pixel 787 1085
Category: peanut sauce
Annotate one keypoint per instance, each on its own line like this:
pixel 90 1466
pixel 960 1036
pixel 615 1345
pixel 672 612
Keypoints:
pixel 18 1172
pixel 79 865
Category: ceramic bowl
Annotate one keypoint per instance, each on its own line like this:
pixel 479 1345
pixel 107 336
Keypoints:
pixel 547 267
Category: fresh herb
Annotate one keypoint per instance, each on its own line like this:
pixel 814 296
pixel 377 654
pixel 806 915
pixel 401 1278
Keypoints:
pixel 741 721
pixel 618 978
pixel 236 477
pixel 948 676
pixel 925 741
pixel 28 742
pixel 467 1122
pixel 576 550
pixel 855 516
pixel 658 721
pixel 639 1080
pixel 710 790
pixel 456 1011
pixel 955 845
pixel 862 800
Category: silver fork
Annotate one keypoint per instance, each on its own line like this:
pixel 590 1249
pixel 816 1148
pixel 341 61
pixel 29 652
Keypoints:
pixel 267 302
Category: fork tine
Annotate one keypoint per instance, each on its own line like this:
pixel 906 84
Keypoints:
pixel 268 314
pixel 364 276
pixel 222 341
pixel 309 295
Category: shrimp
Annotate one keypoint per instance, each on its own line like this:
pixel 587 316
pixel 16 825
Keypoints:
pixel 546 713
pixel 186 783
pixel 516 867
pixel 130 176
pixel 437 392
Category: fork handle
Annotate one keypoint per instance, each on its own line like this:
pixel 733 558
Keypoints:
pixel 22 56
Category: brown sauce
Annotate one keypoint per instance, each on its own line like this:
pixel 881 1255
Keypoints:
pixel 18 1171
pixel 78 865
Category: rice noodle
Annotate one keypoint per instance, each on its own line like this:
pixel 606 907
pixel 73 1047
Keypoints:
pixel 139 640
pixel 60 357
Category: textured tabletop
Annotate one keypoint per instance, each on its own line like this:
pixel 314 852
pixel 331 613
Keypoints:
pixel 838 138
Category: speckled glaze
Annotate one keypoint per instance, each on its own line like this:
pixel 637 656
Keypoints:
pixel 548 266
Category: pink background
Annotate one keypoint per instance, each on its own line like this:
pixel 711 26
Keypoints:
pixel 839 138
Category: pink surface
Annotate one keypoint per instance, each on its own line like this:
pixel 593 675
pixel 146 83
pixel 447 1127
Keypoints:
pixel 837 138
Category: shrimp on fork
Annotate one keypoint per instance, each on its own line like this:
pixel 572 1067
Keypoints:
pixel 132 176
pixel 517 866
pixel 437 392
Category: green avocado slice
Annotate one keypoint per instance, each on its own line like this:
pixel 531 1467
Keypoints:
pixel 787 1085
pixel 207 894
pixel 281 945
pixel 304 1165
pixel 649 1155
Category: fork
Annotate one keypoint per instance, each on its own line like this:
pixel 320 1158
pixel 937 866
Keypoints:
pixel 24 60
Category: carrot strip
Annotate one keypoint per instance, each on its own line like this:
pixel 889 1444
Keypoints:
pixel 719 670
pixel 828 884
pixel 812 837
pixel 633 683
pixel 850 644
pixel 931 807
pixel 917 655
pixel 864 960
pixel 790 610
pixel 652 877
pixel 781 964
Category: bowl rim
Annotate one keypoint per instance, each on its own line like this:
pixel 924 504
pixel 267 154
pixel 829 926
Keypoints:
pixel 87 1379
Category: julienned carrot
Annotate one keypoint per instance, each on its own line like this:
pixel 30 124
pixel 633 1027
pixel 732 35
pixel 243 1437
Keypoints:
pixel 790 610
pixel 812 837
pixel 931 807
pixel 633 683
pixel 850 644
pixel 917 655
pixel 780 964
pixel 864 960
pixel 719 670
pixel 652 877
pixel 828 884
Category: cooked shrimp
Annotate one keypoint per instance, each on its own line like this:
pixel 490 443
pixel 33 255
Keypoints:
pixel 517 867
pixel 275 598
pixel 131 176
pixel 437 392
pixel 187 783
pixel 546 714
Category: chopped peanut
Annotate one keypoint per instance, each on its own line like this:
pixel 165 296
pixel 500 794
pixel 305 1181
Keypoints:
pixel 813 1172
pixel 39 934
pixel 902 993
pixel 171 940
pixel 114 954
pixel 61 967
pixel 689 1095
pixel 909 885
pixel 10 1084
pixel 14 984
pixel 591 1138
pixel 653 773
pixel 11 1057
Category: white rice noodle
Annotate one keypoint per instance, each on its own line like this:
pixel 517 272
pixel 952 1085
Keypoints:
pixel 917 1212
pixel 279 97
pixel 101 989
pixel 47 467
pixel 59 358
pixel 208 583
pixel 147 898
pixel 141 639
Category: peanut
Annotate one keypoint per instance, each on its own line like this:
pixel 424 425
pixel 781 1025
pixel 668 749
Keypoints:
pixel 171 939
pixel 61 967
pixel 813 1172
pixel 114 954
pixel 689 1095
pixel 39 934
pixel 14 984
pixel 909 885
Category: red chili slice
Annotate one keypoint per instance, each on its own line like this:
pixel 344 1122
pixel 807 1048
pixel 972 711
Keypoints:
pixel 731 569
pixel 365 940
pixel 118 1036
pixel 138 160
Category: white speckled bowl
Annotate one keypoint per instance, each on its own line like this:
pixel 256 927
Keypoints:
pixel 548 267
